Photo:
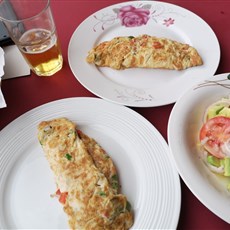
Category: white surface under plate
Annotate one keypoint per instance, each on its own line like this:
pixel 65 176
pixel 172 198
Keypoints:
pixel 141 155
pixel 183 130
pixel 142 87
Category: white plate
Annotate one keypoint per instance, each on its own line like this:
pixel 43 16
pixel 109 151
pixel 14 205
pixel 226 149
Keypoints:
pixel 184 124
pixel 142 87
pixel 148 176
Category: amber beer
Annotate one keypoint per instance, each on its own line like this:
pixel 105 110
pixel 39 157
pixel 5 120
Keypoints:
pixel 31 26
pixel 41 50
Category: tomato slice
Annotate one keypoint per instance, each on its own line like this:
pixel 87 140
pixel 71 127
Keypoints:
pixel 215 134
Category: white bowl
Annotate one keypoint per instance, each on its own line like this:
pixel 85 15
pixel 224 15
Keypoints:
pixel 184 124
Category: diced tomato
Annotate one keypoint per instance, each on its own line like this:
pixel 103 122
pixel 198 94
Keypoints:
pixel 106 213
pixel 79 132
pixel 157 45
pixel 62 196
pixel 214 134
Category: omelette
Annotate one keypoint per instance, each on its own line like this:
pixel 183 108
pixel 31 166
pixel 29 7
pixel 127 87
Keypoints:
pixel 101 160
pixel 88 198
pixel 144 51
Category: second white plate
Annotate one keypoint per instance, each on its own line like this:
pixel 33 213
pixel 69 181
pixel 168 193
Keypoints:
pixel 185 122
pixel 142 87
pixel 141 155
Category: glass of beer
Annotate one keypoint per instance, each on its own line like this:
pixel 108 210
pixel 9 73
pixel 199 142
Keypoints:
pixel 31 26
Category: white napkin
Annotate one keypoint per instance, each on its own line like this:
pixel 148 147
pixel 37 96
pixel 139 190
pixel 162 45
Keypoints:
pixel 15 64
pixel 12 64
pixel 2 63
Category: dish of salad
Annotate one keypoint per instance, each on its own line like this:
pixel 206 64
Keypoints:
pixel 199 140
pixel 214 137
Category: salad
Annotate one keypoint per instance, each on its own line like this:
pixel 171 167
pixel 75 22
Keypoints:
pixel 214 137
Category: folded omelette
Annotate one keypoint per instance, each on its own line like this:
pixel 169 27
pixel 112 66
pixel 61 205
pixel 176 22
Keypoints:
pixel 88 191
pixel 144 51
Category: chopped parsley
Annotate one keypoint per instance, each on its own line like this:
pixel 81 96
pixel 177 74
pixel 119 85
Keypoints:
pixel 115 184
pixel 71 132
pixel 107 156
pixel 68 156
pixel 102 193
pixel 128 206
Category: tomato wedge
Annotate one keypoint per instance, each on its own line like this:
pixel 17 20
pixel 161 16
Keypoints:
pixel 215 135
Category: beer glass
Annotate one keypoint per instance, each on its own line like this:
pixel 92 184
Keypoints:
pixel 31 26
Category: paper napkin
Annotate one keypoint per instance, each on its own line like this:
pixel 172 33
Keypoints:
pixel 15 64
pixel 12 65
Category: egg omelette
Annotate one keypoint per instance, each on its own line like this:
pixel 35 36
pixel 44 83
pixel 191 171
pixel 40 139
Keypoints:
pixel 88 199
pixel 101 160
pixel 144 51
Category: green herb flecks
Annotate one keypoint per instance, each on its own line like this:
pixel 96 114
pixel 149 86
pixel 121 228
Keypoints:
pixel 97 58
pixel 218 111
pixel 106 156
pixel 115 184
pixel 68 156
pixel 101 193
pixel 71 132
pixel 128 206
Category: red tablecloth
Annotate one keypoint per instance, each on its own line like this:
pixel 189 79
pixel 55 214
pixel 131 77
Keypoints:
pixel 25 93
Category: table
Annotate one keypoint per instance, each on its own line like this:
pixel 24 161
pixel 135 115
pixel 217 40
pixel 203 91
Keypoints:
pixel 25 93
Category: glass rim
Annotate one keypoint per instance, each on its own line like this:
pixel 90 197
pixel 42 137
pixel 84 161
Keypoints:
pixel 29 18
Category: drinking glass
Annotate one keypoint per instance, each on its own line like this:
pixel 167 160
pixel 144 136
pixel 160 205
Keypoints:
pixel 31 26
